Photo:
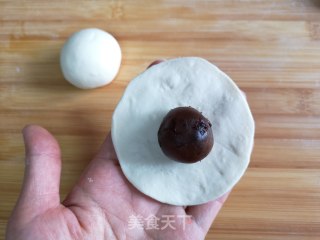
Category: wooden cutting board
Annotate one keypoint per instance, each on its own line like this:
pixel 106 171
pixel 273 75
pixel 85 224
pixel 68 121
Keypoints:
pixel 270 48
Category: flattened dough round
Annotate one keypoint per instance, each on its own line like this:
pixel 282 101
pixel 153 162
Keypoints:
pixel 194 82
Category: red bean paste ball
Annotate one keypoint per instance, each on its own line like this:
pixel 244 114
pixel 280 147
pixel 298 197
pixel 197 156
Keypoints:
pixel 185 135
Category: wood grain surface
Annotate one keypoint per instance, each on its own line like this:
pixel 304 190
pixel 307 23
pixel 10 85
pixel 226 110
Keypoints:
pixel 270 48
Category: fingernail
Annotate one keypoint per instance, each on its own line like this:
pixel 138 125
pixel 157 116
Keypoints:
pixel 156 62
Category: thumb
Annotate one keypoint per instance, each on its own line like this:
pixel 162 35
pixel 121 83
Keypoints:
pixel 40 190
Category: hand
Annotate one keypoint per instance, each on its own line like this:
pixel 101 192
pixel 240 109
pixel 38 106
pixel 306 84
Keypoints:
pixel 101 205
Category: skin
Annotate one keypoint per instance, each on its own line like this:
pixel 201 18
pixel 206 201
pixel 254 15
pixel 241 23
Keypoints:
pixel 100 204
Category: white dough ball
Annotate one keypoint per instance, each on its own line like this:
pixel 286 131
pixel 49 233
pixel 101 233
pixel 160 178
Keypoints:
pixel 90 58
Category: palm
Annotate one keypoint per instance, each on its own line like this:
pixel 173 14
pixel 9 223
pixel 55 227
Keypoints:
pixel 99 206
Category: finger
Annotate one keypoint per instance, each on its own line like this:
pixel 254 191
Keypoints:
pixel 102 171
pixel 204 214
pixel 107 152
pixel 156 62
pixel 40 190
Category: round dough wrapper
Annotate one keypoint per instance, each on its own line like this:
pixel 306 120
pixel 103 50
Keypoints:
pixel 194 82
pixel 90 58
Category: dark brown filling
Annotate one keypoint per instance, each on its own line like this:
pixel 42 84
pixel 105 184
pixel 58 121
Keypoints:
pixel 185 135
